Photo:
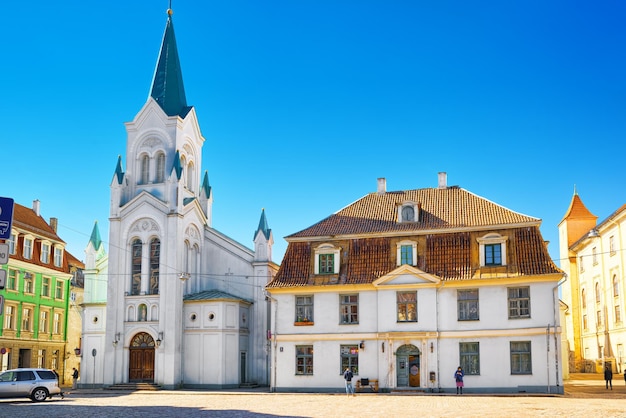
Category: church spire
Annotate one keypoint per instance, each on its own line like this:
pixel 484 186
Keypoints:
pixel 263 226
pixel 167 83
pixel 95 239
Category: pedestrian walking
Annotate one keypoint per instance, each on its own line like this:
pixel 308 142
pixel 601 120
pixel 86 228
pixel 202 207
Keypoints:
pixel 608 377
pixel 458 377
pixel 347 376
pixel 74 378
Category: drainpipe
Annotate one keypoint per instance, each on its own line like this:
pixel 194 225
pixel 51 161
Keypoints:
pixel 556 346
pixel 273 339
pixel 438 334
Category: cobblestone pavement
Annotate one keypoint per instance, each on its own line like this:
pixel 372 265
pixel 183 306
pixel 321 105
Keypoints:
pixel 585 396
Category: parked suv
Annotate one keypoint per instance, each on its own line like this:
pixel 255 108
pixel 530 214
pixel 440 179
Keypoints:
pixel 36 384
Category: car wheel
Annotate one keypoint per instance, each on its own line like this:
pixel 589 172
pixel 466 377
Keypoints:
pixel 39 395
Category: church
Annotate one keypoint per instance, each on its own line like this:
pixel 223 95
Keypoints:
pixel 175 302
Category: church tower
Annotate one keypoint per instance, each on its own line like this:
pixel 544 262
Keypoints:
pixel 185 303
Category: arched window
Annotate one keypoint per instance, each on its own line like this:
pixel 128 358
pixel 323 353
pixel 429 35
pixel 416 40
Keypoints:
pixel 135 267
pixel 597 292
pixel 190 176
pixel 160 167
pixel 145 169
pixel 615 286
pixel 142 313
pixel 155 251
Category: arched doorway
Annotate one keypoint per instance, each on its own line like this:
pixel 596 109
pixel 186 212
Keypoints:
pixel 408 366
pixel 141 367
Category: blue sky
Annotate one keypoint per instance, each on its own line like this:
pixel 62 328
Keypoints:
pixel 304 104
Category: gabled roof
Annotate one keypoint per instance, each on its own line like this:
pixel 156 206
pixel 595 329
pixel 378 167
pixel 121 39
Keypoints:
pixel 441 209
pixel 27 220
pixel 167 85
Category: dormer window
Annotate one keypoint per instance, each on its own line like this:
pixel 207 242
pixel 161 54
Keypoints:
pixel 27 251
pixel 406 253
pixel 327 259
pixel 45 252
pixel 58 256
pixel 408 212
pixel 492 250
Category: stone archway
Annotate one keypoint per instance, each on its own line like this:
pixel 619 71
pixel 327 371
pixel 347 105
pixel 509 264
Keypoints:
pixel 141 364
pixel 408 366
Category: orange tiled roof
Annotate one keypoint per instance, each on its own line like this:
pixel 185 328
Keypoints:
pixel 445 208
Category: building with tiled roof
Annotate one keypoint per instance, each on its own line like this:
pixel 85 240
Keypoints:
pixel 403 286
pixel 593 257
pixel 40 322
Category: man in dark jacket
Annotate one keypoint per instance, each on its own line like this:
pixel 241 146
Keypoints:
pixel 608 377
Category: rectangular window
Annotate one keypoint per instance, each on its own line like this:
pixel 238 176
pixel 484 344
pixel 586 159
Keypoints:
pixel 45 286
pixel 58 294
pixel 28 282
pixel 594 256
pixel 304 360
pixel 612 245
pixel 519 302
pixel 327 263
pixel 520 357
pixel 28 248
pixel 43 323
pixel 9 317
pixel 580 263
pixel 349 309
pixel 618 314
pixel 12 244
pixel 45 253
pixel 493 254
pixel 585 325
pixel 469 358
pixel 304 308
pixel 26 319
pixel 467 301
pixel 56 324
pixel 406 254
pixel 41 358
pixel 58 257
pixel 407 306
pixel 12 279
pixel 598 319
pixel 349 358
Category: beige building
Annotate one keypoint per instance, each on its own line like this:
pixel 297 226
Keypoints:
pixel 592 255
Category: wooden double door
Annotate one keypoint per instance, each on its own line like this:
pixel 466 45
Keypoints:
pixel 141 364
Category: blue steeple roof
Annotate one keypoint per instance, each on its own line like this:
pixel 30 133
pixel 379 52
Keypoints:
pixel 167 84
pixel 118 170
pixel 177 165
pixel 205 185
pixel 263 226
pixel 95 239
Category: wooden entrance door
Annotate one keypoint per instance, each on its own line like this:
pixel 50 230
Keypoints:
pixel 141 364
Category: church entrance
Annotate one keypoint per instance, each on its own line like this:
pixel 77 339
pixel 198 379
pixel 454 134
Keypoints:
pixel 141 367
pixel 408 366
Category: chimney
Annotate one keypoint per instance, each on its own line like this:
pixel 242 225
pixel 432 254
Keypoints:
pixel 382 185
pixel 36 207
pixel 443 180
pixel 54 222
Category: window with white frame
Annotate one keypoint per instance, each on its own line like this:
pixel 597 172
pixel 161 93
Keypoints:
pixel 519 302
pixel 406 253
pixel 594 256
pixel 304 360
pixel 160 167
pixel 349 305
pixel 27 319
pixel 56 324
pixel 599 318
pixel 618 314
pixel 469 358
pixel 27 252
pixel 597 289
pixel 58 293
pixel 492 250
pixel 580 264
pixel 612 245
pixel 408 212
pixel 41 358
pixel 406 303
pixel 45 253
pixel 327 259
pixel 349 358
pixel 615 286
pixel 45 286
pixel 12 241
pixel 28 282
pixel 467 303
pixel 58 256
pixel 521 357
pixel 12 277
pixel 136 258
pixel 43 322
pixel 304 308
pixel 9 317
pixel 145 170
pixel 585 322
pixel 583 298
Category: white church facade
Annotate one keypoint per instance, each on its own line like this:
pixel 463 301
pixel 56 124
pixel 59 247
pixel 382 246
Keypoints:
pixel 184 304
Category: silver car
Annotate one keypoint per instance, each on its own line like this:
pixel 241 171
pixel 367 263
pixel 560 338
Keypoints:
pixel 36 384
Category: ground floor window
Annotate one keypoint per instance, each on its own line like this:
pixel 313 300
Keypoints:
pixel 520 357
pixel 304 359
pixel 349 358
pixel 469 358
